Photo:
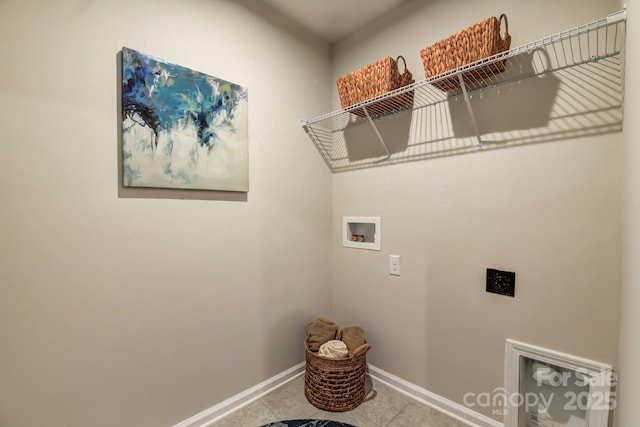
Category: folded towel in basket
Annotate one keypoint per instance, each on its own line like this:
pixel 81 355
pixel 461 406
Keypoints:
pixel 334 349
pixel 323 330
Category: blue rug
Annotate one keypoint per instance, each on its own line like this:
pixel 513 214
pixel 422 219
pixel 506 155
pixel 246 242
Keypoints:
pixel 307 423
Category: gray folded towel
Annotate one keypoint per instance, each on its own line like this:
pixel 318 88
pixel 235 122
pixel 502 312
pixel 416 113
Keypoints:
pixel 353 337
pixel 322 331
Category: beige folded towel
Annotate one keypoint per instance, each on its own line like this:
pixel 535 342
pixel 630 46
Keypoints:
pixel 323 330
pixel 333 349
pixel 353 337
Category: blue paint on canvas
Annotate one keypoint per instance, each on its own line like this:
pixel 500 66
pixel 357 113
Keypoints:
pixel 181 128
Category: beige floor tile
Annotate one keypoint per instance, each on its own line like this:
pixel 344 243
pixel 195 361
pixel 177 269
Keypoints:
pixel 418 415
pixel 253 415
pixel 289 401
pixel 383 403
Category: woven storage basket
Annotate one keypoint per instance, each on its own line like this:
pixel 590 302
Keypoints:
pixel 477 42
pixel 335 385
pixel 374 80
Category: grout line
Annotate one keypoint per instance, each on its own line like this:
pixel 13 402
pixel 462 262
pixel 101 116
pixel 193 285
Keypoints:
pixel 277 416
pixel 396 416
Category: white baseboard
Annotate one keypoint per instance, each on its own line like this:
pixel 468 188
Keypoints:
pixel 214 413
pixel 439 403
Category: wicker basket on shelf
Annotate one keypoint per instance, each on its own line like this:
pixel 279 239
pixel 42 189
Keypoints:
pixel 374 80
pixel 335 385
pixel 477 42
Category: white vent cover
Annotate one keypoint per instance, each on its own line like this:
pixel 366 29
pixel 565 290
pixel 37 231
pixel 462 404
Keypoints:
pixel 549 388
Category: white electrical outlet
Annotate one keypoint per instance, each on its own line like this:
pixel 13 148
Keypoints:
pixel 394 265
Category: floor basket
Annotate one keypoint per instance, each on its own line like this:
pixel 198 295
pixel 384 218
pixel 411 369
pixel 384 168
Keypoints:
pixel 336 385
pixel 373 80
pixel 477 42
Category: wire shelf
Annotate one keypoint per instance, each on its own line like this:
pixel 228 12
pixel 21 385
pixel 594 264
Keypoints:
pixel 589 56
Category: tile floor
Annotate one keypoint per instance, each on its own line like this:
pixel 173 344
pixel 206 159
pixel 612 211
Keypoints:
pixel 383 407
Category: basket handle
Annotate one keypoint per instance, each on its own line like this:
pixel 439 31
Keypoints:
pixel 306 329
pixel 362 349
pixel 506 24
pixel 403 63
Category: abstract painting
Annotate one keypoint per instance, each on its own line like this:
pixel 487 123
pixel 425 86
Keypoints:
pixel 182 128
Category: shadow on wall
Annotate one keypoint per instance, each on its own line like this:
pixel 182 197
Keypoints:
pixel 363 143
pixel 279 20
pixel 526 104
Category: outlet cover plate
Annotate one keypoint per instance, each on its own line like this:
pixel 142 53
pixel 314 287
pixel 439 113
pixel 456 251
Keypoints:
pixel 501 282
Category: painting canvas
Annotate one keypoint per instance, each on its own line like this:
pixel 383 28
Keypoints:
pixel 181 128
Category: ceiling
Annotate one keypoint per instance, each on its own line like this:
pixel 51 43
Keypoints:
pixel 333 20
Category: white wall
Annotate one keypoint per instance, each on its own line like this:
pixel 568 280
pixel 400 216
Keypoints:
pixel 629 390
pixel 142 308
pixel 551 212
